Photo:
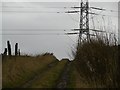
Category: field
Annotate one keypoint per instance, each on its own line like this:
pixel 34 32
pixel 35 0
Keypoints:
pixel 46 71
pixel 86 32
pixel 37 72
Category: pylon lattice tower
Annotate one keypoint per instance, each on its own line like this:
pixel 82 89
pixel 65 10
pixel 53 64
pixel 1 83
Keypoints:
pixel 84 20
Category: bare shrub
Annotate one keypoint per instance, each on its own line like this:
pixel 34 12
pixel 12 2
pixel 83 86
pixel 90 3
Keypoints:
pixel 97 61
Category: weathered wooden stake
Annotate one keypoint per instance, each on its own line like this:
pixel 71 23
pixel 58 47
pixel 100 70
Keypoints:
pixel 9 48
pixel 5 52
pixel 19 52
pixel 16 49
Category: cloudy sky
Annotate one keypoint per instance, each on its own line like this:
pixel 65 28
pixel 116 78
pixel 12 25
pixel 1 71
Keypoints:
pixel 40 27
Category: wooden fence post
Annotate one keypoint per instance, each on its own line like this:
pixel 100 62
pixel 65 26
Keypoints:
pixel 19 52
pixel 5 52
pixel 16 49
pixel 9 48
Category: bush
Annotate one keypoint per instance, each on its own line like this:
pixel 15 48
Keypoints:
pixel 97 61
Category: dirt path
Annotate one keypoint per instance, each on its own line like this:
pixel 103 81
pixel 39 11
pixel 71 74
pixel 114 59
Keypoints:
pixel 64 78
pixel 38 75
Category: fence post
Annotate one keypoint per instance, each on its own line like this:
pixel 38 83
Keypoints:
pixel 19 52
pixel 9 48
pixel 5 52
pixel 16 49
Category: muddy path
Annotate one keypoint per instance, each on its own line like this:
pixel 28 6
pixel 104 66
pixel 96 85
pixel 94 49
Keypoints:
pixel 64 77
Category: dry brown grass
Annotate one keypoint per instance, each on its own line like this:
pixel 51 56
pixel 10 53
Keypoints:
pixel 97 62
pixel 49 78
pixel 17 70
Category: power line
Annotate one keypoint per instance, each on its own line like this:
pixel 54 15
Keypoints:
pixel 92 13
pixel 75 11
pixel 104 9
pixel 57 12
pixel 33 7
pixel 34 34
pixel 36 30
pixel 98 8
pixel 31 12
pixel 93 30
pixel 70 38
pixel 72 18
pixel 75 7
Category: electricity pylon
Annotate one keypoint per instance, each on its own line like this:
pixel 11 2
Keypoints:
pixel 84 20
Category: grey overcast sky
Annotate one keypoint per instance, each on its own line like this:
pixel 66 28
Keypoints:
pixel 38 28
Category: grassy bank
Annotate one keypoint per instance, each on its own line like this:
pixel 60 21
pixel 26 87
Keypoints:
pixel 18 70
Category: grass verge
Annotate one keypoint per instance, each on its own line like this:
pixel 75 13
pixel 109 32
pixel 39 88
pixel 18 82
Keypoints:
pixel 18 70
pixel 49 78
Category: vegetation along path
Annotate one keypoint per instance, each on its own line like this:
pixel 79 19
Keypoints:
pixel 38 75
pixel 64 78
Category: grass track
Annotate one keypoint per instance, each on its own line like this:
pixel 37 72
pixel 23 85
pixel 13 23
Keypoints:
pixel 50 77
pixel 40 72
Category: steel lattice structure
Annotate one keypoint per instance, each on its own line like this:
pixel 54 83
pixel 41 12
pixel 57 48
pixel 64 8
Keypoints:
pixel 84 20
